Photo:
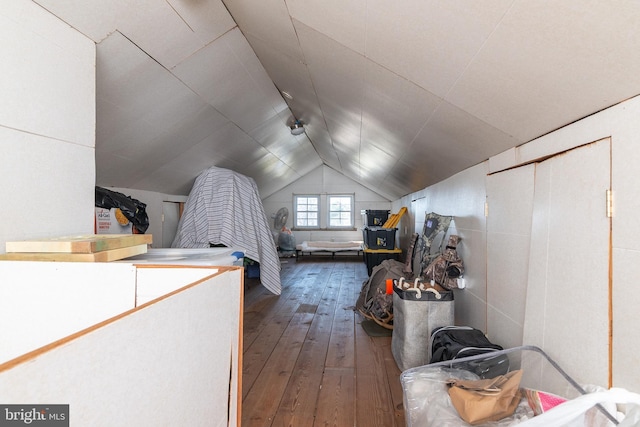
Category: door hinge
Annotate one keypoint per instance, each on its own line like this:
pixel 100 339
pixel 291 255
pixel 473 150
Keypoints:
pixel 486 209
pixel 609 203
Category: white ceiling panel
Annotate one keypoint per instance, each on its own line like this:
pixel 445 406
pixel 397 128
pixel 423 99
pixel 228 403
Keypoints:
pixel 394 109
pixel 341 20
pixel 337 74
pixel 557 61
pixel 458 138
pixel 295 151
pixel 227 75
pixel 267 20
pixel 169 180
pixel 207 19
pixel 95 19
pixel 289 74
pixel 158 30
pixel 395 95
pixel 430 42
pixel 130 79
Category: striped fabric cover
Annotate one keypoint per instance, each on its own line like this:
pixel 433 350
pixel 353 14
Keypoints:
pixel 224 207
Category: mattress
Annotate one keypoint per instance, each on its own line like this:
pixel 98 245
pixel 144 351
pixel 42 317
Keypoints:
pixel 327 246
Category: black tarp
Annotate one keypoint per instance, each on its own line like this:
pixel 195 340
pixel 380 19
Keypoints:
pixel 133 209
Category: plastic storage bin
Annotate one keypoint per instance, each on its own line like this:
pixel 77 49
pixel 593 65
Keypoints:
pixel 376 218
pixel 379 238
pixel 373 257
pixel 427 402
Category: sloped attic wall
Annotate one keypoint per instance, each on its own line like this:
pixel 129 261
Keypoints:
pixel 324 180
pixel 464 196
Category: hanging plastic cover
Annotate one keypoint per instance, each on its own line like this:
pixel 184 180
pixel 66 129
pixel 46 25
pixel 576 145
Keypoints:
pixel 134 210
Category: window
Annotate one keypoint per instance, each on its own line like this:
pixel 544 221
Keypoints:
pixel 323 211
pixel 307 209
pixel 340 211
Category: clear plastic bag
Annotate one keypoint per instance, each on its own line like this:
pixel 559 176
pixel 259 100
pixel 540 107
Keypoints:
pixel 427 402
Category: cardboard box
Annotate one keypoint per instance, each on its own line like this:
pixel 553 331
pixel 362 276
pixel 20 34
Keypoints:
pixel 107 222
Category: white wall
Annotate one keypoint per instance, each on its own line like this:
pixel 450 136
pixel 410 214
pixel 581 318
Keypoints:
pixel 47 125
pixel 463 196
pixel 323 180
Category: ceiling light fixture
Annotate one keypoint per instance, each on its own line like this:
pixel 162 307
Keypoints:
pixel 297 128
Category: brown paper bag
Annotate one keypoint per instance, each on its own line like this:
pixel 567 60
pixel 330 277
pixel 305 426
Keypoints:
pixel 486 400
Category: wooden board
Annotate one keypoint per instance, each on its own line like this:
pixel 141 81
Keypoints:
pixel 102 256
pixel 85 244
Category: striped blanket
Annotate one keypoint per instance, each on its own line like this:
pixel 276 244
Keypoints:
pixel 224 207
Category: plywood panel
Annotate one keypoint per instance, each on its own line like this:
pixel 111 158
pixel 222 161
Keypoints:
pixel 86 243
pixel 104 256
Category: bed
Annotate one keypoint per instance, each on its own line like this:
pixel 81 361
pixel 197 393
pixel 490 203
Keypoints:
pixel 319 246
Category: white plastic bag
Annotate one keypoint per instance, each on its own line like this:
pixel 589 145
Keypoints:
pixel 572 413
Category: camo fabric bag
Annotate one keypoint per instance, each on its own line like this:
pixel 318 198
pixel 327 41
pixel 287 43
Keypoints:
pixel 446 268
pixel 435 227
pixel 373 302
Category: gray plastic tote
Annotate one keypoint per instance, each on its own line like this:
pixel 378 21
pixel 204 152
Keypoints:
pixel 415 314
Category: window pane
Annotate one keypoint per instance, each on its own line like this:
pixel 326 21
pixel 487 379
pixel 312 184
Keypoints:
pixel 340 211
pixel 306 213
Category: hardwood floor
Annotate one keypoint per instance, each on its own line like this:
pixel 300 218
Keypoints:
pixel 307 360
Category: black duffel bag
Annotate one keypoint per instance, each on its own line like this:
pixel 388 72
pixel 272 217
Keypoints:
pixel 457 342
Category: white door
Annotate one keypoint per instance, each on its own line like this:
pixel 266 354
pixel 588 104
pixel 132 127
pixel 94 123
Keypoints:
pixel 170 219
pixel 567 308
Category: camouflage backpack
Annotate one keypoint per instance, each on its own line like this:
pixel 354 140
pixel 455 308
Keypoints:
pixel 447 267
pixel 374 303
pixel 435 226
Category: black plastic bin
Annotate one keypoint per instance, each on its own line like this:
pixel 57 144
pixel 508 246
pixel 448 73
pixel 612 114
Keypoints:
pixel 376 218
pixel 379 238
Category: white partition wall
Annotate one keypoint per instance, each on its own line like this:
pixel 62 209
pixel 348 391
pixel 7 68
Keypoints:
pixel 175 360
pixel 41 302
pixel 47 125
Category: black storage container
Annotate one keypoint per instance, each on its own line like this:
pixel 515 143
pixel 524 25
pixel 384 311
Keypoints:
pixel 376 218
pixel 373 257
pixel 379 238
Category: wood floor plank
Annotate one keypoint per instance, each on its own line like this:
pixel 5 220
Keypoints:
pixel 336 401
pixel 374 406
pixel 308 361
pixel 260 405
pixel 265 337
pixel 341 352
pixel 299 400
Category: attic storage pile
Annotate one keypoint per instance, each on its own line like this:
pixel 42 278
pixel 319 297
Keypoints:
pixel 429 255
pixel 224 208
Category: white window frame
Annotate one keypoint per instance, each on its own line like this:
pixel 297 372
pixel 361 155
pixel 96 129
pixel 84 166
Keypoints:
pixel 351 214
pixel 296 213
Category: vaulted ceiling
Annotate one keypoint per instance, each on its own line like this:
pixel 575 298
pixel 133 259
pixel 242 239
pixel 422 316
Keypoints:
pixel 396 95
